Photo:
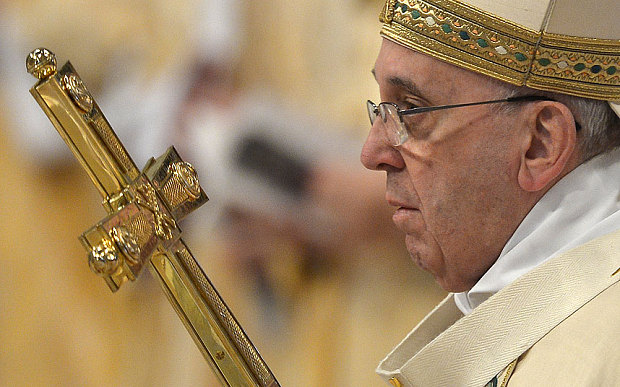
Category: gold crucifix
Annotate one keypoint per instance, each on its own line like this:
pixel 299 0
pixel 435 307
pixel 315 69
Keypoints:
pixel 142 223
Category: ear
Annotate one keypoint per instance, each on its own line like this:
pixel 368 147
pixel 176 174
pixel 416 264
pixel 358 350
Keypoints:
pixel 549 146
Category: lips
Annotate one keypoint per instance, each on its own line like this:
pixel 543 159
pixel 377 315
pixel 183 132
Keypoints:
pixel 408 218
pixel 399 203
pixel 405 218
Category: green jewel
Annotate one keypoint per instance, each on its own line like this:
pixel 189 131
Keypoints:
pixel 482 43
pixel 579 66
pixel 611 70
pixel 544 61
pixel 446 28
pixel 520 57
pixel 415 13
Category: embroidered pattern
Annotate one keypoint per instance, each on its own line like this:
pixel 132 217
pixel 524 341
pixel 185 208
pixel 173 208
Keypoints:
pixel 469 37
pixel 464 34
pixel 577 65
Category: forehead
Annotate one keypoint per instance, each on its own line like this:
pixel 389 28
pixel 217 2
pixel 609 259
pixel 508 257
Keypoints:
pixel 398 67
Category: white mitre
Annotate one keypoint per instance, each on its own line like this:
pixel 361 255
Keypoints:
pixel 566 46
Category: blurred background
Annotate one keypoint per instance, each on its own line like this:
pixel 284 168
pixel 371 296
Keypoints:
pixel 267 100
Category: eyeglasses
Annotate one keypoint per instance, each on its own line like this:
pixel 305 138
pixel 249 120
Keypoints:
pixel 395 129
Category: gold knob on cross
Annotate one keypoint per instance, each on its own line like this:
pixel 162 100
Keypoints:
pixel 103 259
pixel 41 63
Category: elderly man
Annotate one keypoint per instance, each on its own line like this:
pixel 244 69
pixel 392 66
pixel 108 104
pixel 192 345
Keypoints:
pixel 499 138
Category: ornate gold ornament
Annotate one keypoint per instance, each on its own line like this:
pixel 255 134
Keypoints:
pixel 147 199
pixel 128 244
pixel 466 36
pixel 103 259
pixel 74 85
pixel 186 174
pixel 41 63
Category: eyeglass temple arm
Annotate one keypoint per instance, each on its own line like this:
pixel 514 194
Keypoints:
pixel 524 98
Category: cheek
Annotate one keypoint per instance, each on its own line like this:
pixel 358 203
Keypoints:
pixel 469 192
pixel 440 178
pixel 462 194
pixel 466 172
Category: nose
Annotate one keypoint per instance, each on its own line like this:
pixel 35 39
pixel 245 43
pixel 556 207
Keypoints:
pixel 377 154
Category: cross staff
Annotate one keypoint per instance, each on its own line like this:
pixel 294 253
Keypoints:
pixel 141 227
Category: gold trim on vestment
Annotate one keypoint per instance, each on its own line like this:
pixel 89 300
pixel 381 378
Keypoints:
pixel 508 372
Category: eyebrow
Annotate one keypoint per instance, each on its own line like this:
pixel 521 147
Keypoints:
pixel 403 83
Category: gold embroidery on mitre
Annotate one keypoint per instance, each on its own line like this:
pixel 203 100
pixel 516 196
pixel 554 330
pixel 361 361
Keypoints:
pixel 477 40
pixel 387 13
pixel 579 66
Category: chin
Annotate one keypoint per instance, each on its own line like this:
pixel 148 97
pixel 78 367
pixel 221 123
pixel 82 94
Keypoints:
pixel 447 283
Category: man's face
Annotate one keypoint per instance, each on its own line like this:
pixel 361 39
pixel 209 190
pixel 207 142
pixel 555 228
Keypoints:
pixel 454 182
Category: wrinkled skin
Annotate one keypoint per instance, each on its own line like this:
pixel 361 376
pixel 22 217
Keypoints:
pixel 454 183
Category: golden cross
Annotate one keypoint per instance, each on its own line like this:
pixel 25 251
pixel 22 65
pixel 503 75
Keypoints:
pixel 141 227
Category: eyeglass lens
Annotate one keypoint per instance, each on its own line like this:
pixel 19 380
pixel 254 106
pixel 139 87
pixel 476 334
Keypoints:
pixel 393 127
pixel 372 111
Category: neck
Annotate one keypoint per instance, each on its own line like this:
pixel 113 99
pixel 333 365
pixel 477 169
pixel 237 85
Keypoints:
pixel 583 205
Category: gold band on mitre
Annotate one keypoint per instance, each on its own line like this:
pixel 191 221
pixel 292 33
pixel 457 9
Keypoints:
pixel 512 51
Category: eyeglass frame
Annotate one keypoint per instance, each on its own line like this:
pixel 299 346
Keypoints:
pixel 403 133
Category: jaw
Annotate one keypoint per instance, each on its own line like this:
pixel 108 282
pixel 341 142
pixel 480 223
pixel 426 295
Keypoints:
pixel 447 271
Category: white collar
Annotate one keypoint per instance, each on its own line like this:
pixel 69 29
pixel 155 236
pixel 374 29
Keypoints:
pixel 582 206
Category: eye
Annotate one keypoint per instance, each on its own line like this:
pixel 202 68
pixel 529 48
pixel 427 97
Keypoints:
pixel 407 105
pixel 411 124
pixel 415 123
pixel 410 120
